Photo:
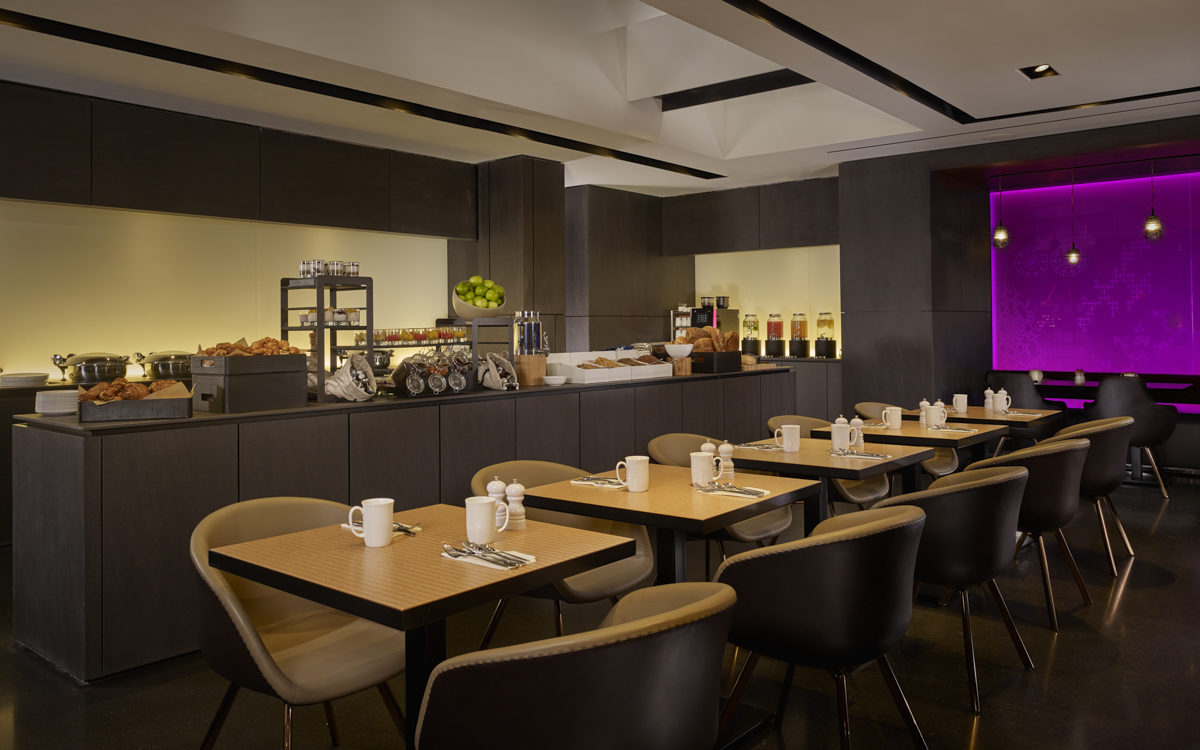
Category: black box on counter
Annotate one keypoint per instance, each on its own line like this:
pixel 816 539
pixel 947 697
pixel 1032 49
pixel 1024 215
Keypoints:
pixel 121 411
pixel 253 383
pixel 707 362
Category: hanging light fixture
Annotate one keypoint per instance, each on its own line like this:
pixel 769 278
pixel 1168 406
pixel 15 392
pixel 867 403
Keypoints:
pixel 1073 255
pixel 1153 227
pixel 1000 233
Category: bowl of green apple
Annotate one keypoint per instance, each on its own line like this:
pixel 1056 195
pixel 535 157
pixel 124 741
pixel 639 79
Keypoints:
pixel 478 297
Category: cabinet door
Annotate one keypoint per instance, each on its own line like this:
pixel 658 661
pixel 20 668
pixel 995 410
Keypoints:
pixel 605 428
pixel 778 396
pixel 307 180
pixel 658 410
pixel 474 435
pixel 743 409
pixel 704 408
pixel 717 222
pixel 45 145
pixel 548 428
pixel 304 457
pixel 394 453
pixel 432 196
pixel 156 487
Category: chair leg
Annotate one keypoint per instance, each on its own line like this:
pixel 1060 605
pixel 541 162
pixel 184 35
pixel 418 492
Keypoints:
pixel 1062 542
pixel 1120 526
pixel 393 708
pixel 783 694
pixel 843 701
pixel 901 703
pixel 969 649
pixel 949 592
pixel 1041 548
pixel 708 571
pixel 492 624
pixel 1001 605
pixel 287 726
pixel 739 687
pixel 558 619
pixel 1020 544
pixel 999 445
pixel 331 722
pixel 214 729
pixel 1157 474
pixel 1112 563
pixel 721 549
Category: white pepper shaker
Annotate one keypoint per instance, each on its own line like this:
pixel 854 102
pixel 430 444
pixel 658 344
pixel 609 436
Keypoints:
pixel 495 490
pixel 708 447
pixel 857 441
pixel 515 493
pixel 922 406
pixel 726 453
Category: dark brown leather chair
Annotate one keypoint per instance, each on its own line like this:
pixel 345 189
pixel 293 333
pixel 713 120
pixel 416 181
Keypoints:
pixel 1025 395
pixel 1153 424
pixel 605 582
pixel 970 522
pixel 649 677
pixel 944 461
pixel 277 644
pixel 1104 469
pixel 1050 501
pixel 836 599
pixel 860 492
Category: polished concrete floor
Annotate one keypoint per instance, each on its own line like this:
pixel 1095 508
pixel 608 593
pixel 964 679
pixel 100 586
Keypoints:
pixel 1123 672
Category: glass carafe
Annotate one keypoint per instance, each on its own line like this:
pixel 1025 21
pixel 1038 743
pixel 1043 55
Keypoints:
pixel 799 326
pixel 825 325
pixel 774 326
pixel 750 326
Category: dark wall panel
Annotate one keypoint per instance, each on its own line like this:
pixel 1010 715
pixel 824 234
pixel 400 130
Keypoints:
pixel 743 410
pixel 395 454
pixel 474 435
pixel 704 408
pixel 961 272
pixel 606 420
pixel 716 222
pixel 307 180
pixel 778 394
pixel 45 145
pixel 165 161
pixel 962 353
pixel 658 409
pixel 432 196
pixel 798 214
pixel 888 357
pixel 548 428
pixel 510 193
pixel 305 457
pixel 549 238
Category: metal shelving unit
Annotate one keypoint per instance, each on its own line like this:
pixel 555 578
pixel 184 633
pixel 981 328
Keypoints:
pixel 324 291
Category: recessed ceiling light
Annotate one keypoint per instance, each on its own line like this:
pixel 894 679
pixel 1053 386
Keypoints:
pixel 1038 71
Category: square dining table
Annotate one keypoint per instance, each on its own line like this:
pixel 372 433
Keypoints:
pixel 814 460
pixel 672 506
pixel 408 585
pixel 979 415
pixel 954 435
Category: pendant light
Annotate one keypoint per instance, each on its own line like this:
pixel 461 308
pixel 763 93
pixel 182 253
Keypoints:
pixel 1073 255
pixel 1000 233
pixel 1153 228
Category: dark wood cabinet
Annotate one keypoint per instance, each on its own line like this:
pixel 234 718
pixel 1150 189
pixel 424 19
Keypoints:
pixel 166 161
pixel 716 222
pixel 605 428
pixel 434 197
pixel 308 180
pixel 45 145
pixel 305 457
pixel 395 454
pixel 474 435
pixel 658 409
pixel 547 428
pixel 778 393
pixel 704 408
pixel 743 409
pixel 798 214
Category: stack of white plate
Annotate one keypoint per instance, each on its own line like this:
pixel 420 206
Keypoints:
pixel 25 379
pixel 55 403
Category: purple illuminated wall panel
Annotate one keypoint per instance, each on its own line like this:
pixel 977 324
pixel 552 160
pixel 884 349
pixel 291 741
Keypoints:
pixel 1130 304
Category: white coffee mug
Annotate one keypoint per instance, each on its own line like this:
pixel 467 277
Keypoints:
pixel 706 468
pixel 481 519
pixel 935 416
pixel 637 473
pixel 840 436
pixel 376 526
pixel 788 438
pixel 960 403
pixel 1001 401
pixel 892 417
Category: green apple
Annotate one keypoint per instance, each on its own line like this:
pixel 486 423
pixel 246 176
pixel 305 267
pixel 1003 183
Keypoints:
pixel 462 288
pixel 493 304
pixel 489 283
pixel 480 290
pixel 479 302
pixel 491 295
pixel 475 280
pixel 499 290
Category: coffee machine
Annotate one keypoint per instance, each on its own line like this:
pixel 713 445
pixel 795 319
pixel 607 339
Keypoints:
pixel 724 319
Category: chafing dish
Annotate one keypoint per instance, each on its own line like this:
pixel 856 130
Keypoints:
pixel 91 367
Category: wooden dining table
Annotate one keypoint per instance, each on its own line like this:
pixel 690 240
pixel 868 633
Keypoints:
pixel 815 461
pixel 409 585
pixel 959 434
pixel 672 506
pixel 979 415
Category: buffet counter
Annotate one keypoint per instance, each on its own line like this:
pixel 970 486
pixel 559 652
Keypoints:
pixel 103 511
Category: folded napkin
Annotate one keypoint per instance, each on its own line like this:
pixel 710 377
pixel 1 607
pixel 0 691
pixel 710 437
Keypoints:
pixel 601 485
pixel 474 560
pixel 727 493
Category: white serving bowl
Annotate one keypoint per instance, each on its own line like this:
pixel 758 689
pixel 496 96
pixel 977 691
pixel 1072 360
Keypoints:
pixel 468 311
pixel 554 380
pixel 679 350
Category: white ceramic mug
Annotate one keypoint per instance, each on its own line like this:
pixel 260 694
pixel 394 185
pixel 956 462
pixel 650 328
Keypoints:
pixel 892 417
pixel 376 528
pixel 960 403
pixel 481 519
pixel 637 473
pixel 1001 401
pixel 788 438
pixel 840 436
pixel 935 416
pixel 706 468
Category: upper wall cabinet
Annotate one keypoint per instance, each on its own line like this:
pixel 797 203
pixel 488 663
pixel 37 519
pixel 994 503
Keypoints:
pixel 432 196
pixel 45 153
pixel 165 161
pixel 798 214
pixel 308 180
pixel 716 222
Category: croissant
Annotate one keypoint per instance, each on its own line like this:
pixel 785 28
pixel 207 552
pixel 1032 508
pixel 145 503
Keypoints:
pixel 93 393
pixel 135 391
pixel 159 385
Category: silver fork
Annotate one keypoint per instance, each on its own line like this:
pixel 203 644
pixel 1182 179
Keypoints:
pixel 453 551
pixel 492 550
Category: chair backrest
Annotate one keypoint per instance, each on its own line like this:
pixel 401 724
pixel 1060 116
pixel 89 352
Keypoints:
pixel 970 520
pixel 1051 496
pixel 871 409
pixel 649 676
pixel 1119 396
pixel 1021 389
pixel 837 598
pixel 1104 469
pixel 675 448
pixel 807 424
pixel 233 609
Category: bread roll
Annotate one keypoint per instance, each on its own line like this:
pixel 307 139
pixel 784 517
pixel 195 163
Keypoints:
pixel 703 345
pixel 731 341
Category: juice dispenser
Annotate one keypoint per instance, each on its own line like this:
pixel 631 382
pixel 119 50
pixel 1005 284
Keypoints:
pixel 750 342
pixel 798 346
pixel 826 344
pixel 774 346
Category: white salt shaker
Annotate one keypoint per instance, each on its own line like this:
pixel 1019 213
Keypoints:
pixel 924 403
pixel 857 441
pixel 841 420
pixel 708 447
pixel 989 399
pixel 495 490
pixel 726 453
pixel 515 494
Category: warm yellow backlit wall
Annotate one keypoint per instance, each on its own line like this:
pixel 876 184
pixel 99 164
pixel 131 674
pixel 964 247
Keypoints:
pixel 784 281
pixel 81 279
